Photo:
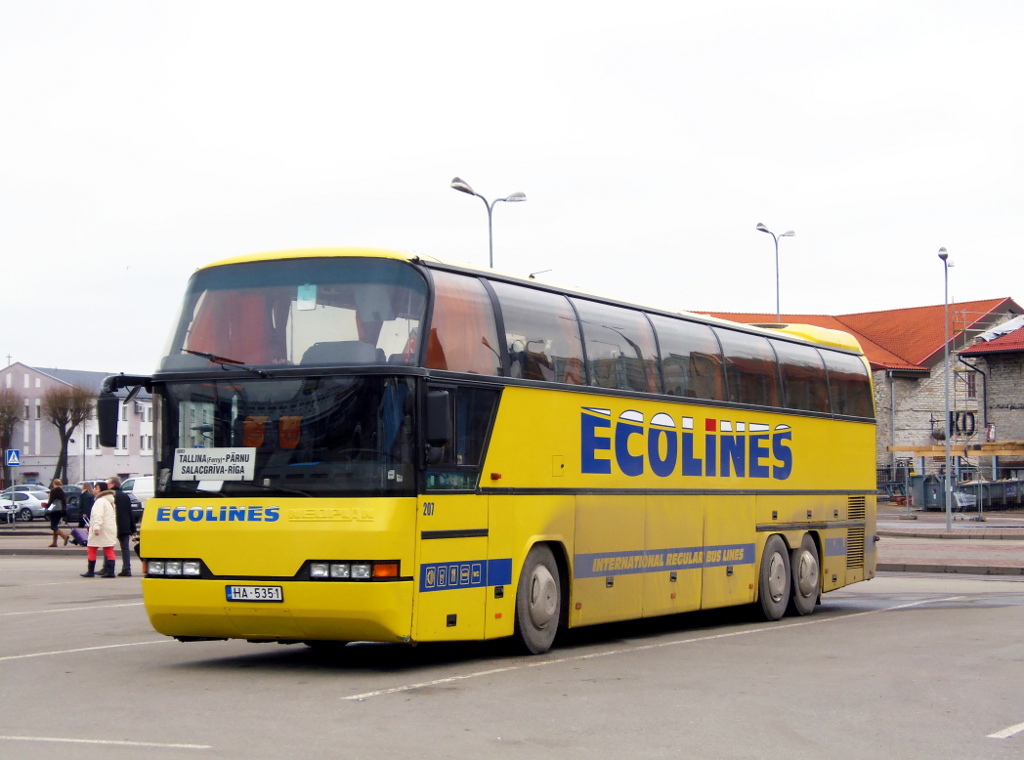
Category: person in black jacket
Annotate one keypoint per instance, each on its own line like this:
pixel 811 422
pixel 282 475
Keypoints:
pixel 85 501
pixel 125 523
pixel 56 497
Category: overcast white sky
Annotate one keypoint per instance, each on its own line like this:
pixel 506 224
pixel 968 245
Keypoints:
pixel 141 140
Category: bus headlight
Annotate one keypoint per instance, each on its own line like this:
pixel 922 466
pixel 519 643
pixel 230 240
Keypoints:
pixel 172 568
pixel 362 571
pixel 318 570
pixel 340 570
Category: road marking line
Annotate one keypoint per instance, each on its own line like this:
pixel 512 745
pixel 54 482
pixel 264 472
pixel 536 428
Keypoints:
pixel 83 608
pixel 83 649
pixel 631 650
pixel 1006 733
pixel 108 742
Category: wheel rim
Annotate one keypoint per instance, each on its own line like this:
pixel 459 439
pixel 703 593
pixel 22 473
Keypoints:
pixel 543 598
pixel 25 515
pixel 807 574
pixel 777 577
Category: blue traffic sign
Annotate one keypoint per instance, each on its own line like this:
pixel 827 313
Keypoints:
pixel 13 458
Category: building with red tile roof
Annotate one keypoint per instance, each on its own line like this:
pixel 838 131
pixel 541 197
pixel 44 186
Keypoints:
pixel 909 339
pixel 906 349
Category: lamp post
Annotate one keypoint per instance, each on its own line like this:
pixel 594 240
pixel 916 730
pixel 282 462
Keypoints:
pixel 463 187
pixel 789 233
pixel 946 264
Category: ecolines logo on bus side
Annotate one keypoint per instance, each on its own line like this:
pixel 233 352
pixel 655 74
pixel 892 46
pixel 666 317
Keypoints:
pixel 725 449
pixel 218 514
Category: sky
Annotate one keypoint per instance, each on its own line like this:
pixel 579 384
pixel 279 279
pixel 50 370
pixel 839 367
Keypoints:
pixel 142 140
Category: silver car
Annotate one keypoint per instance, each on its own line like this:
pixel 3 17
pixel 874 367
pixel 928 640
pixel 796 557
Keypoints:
pixel 26 504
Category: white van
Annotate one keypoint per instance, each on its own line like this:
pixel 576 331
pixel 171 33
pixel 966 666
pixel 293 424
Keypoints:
pixel 140 485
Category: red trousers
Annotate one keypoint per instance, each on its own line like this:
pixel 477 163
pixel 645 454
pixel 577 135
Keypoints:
pixel 108 552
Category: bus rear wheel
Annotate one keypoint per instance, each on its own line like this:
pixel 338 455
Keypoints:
pixel 775 582
pixel 806 577
pixel 538 601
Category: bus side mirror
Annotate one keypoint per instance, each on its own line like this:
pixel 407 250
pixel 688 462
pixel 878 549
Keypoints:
pixel 106 415
pixel 439 418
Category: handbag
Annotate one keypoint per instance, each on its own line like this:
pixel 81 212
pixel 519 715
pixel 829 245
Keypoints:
pixel 53 508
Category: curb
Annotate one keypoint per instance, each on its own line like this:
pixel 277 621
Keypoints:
pixel 1013 534
pixel 962 569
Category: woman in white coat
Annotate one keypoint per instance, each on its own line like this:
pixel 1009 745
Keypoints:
pixel 102 534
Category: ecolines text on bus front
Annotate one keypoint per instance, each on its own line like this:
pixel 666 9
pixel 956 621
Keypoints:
pixel 723 448
pixel 218 514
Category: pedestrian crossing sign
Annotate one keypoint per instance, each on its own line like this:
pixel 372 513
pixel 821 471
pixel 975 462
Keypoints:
pixel 13 458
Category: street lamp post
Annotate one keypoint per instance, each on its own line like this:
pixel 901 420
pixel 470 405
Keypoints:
pixel 946 264
pixel 789 233
pixel 463 187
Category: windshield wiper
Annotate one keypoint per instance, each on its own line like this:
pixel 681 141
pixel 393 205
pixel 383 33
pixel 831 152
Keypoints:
pixel 225 362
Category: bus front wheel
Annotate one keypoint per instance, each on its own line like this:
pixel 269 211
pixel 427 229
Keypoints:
pixel 775 582
pixel 806 577
pixel 538 601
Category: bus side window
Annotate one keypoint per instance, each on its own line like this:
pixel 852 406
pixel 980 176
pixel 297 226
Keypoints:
pixel 621 351
pixel 849 385
pixel 751 369
pixel 456 466
pixel 804 384
pixel 541 333
pixel 463 336
pixel 691 359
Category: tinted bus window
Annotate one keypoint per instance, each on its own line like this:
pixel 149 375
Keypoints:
pixel 463 337
pixel 849 385
pixel 316 311
pixel 620 347
pixel 750 368
pixel 804 385
pixel 691 359
pixel 542 335
pixel 458 466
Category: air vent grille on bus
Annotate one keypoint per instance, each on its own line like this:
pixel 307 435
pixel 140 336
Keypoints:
pixel 856 509
pixel 855 547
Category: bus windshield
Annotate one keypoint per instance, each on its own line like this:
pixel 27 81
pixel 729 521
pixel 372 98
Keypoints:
pixel 299 312
pixel 306 436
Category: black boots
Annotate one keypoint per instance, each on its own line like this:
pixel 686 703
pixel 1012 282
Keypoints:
pixel 107 572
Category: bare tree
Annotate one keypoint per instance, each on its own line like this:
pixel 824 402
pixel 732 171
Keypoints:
pixel 10 407
pixel 67 407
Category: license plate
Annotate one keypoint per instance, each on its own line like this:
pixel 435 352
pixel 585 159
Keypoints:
pixel 254 594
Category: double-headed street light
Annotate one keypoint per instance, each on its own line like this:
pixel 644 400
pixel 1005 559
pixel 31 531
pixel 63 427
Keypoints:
pixel 790 233
pixel 463 187
pixel 946 264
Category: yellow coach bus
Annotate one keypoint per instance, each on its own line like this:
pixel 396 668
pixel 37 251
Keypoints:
pixel 361 445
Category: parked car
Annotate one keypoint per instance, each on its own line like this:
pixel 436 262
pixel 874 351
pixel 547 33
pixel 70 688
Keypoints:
pixel 29 487
pixel 74 511
pixel 69 490
pixel 141 486
pixel 26 504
